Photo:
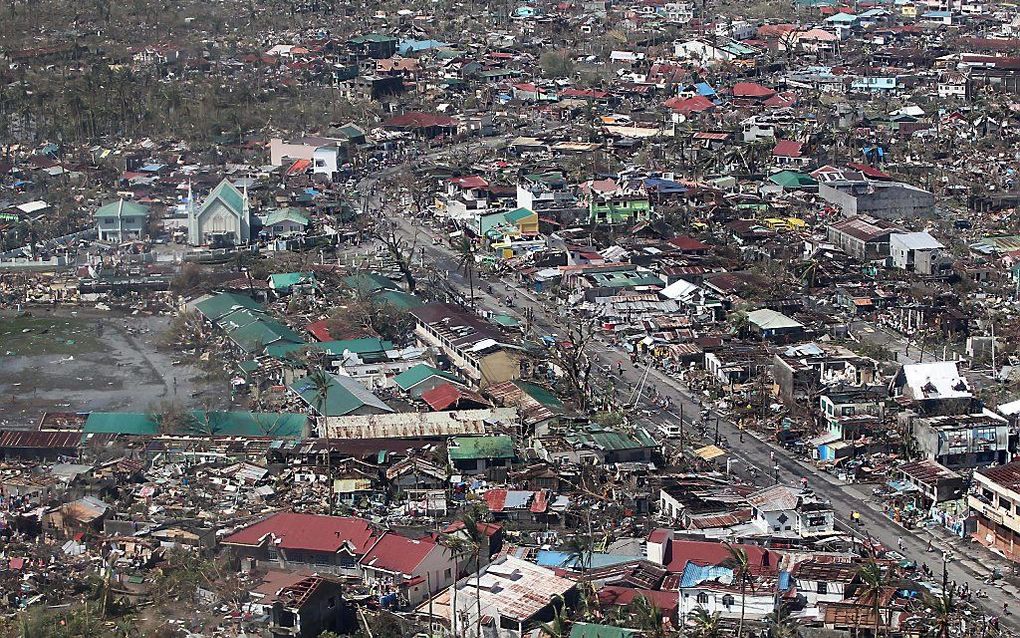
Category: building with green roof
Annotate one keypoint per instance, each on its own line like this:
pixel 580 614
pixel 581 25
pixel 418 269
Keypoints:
pixel 220 305
pixel 479 453
pixel 285 220
pixel 121 220
pixel 398 299
pixel 224 218
pixel 794 180
pixel 593 630
pixel 285 283
pixel 343 397
pixel 368 349
pixel 421 378
pixel 367 283
pixel 202 423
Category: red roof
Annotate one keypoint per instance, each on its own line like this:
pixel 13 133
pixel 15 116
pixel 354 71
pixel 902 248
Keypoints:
pixel 485 529
pixel 300 166
pixel 319 330
pixel 752 89
pixel 869 171
pixel 788 148
pixel 398 554
pixel 444 396
pixel 474 181
pixel 495 499
pixel 707 553
pixel 310 532
pixel 688 244
pixel 420 120
pixel 781 100
pixel 667 601
pixel 696 104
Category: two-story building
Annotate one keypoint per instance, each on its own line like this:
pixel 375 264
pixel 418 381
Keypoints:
pixel 121 220
pixel 995 501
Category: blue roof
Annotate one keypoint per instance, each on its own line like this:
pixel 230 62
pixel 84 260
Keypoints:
pixel 695 574
pixel 784 580
pixel 414 46
pixel 553 558
pixel 704 88
pixel 667 186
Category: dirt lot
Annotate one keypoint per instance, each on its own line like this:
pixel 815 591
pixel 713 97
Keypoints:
pixel 91 361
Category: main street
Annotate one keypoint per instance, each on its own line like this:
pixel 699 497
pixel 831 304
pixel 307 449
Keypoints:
pixel 771 462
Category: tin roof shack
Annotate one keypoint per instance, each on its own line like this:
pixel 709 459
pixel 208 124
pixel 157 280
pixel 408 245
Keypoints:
pixel 881 199
pixel 83 515
pixel 774 326
pixel 48 445
pixel 995 500
pixel 824 578
pixel 513 596
pixel 332 544
pixel 920 253
pixel 478 454
pixel 785 512
pixel 802 370
pixel 933 481
pixel 862 237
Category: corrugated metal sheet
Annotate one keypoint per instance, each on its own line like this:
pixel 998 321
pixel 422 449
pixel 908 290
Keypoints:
pixel 48 439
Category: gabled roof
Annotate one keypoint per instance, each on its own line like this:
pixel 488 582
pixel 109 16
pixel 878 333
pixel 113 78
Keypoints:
pixel 682 552
pixel 309 532
pixel 447 395
pixel 224 303
pixel 419 373
pixel 752 90
pixel 399 554
pixel 344 395
pixel 788 148
pixel 227 193
pixel 281 215
pixel 122 207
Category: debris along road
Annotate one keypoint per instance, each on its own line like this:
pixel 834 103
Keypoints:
pixel 771 462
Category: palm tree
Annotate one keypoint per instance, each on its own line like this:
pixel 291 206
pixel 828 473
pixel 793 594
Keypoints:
pixel 871 589
pixel 647 617
pixel 704 624
pixel 779 624
pixel 458 547
pixel 466 263
pixel 740 564
pixel 474 541
pixel 321 383
pixel 557 627
pixel 943 608
pixel 579 551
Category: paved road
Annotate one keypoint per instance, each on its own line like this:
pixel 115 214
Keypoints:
pixel 771 462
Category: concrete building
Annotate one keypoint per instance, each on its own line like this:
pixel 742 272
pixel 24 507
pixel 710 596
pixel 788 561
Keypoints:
pixel 919 252
pixel 881 199
pixel 861 237
pixel 995 501
pixel 121 220
pixel 223 219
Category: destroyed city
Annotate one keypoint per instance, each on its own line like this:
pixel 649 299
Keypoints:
pixel 532 319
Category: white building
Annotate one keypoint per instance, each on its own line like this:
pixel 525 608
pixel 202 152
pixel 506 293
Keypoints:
pixel 786 512
pixel 224 218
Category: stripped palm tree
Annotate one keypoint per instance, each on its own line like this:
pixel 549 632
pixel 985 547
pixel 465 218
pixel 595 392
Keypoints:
pixel 943 609
pixel 704 624
pixel 466 263
pixel 872 587
pixel 741 566
pixel 647 617
pixel 321 382
pixel 579 550
pixel 779 624
pixel 558 626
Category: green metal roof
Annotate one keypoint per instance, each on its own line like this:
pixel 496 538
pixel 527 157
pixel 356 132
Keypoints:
pixel 793 179
pixel 288 425
pixel 344 395
pixel 224 303
pixel 286 280
pixel 398 299
pixel 465 448
pixel 255 336
pixel 369 282
pixel 136 423
pixel 592 630
pixel 122 207
pixel 286 215
pixel 228 194
pixel 505 320
pixel 613 440
pixel 540 394
pixel 373 37
pixel 519 214
pixel 413 376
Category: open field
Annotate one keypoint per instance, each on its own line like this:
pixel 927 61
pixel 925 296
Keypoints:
pixel 90 361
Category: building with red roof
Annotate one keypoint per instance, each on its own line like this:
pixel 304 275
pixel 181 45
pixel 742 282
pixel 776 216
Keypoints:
pixel 305 540
pixel 448 396
pixel 409 567
pixel 789 153
pixel 696 104
pixel 752 91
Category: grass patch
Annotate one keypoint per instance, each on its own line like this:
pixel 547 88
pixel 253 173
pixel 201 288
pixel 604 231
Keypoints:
pixel 31 336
